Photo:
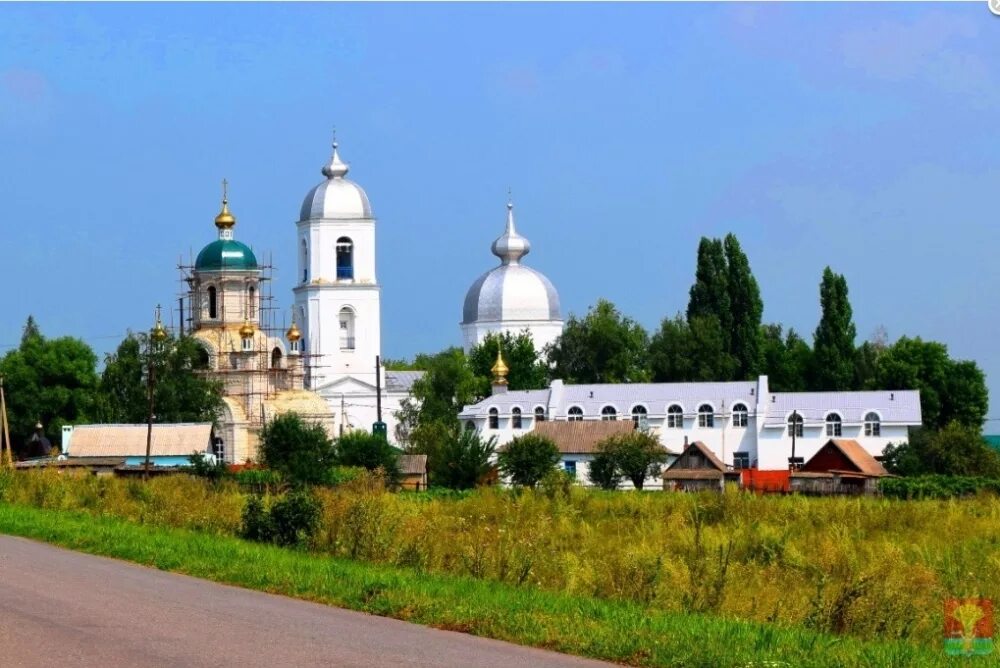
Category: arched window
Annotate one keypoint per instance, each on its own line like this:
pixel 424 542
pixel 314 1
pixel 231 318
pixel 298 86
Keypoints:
pixel 345 259
pixel 706 416
pixel 675 417
pixel 539 413
pixel 346 328
pixel 638 415
pixel 609 414
pixel 833 425
pixel 305 261
pixel 515 418
pixel 251 302
pixel 248 344
pixel 276 358
pixel 740 413
pixel 576 414
pixel 795 425
pixel 873 424
pixel 494 418
pixel 213 303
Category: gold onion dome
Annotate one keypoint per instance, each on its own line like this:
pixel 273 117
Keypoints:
pixel 225 220
pixel 247 330
pixel 500 370
pixel 293 334
pixel 159 333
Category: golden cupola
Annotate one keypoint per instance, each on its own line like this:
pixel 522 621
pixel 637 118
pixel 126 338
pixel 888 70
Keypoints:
pixel 225 220
pixel 499 370
pixel 293 334
pixel 247 330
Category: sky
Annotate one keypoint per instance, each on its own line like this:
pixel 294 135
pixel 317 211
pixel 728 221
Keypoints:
pixel 858 136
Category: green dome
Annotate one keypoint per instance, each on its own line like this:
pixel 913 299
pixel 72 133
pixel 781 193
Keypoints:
pixel 226 254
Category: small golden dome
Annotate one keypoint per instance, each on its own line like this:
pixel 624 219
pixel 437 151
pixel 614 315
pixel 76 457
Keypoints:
pixel 159 333
pixel 499 370
pixel 293 334
pixel 247 330
pixel 225 220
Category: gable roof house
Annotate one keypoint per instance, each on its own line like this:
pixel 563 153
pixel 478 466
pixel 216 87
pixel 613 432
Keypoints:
pixel 841 466
pixel 696 469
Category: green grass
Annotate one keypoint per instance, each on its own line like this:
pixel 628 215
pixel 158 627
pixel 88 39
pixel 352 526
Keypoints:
pixel 606 629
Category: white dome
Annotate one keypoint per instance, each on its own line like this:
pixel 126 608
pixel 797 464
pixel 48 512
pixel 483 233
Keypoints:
pixel 337 197
pixel 511 292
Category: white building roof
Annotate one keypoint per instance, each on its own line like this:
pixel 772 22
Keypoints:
pixel 898 406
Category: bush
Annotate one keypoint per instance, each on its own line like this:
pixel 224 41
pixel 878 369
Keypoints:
pixel 302 451
pixel 938 487
pixel 292 520
pixel 368 451
pixel 260 481
pixel 201 467
pixel 463 459
pixel 527 459
pixel 636 455
pixel 603 471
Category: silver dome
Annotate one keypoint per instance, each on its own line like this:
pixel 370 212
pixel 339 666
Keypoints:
pixel 511 291
pixel 337 197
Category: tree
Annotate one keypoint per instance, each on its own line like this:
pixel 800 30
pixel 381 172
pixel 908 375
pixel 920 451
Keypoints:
pixel 369 451
pixel 709 296
pixel 637 455
pixel 746 308
pixel 463 459
pixel 950 390
pixel 526 370
pixel 302 451
pixel 690 351
pixel 603 471
pixel 954 450
pixel 182 393
pixel 603 347
pixel 527 459
pixel 786 359
pixel 52 381
pixel 833 346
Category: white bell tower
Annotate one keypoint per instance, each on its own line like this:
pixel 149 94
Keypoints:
pixel 337 296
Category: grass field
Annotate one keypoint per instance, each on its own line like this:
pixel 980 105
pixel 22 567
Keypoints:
pixel 612 630
pixel 854 569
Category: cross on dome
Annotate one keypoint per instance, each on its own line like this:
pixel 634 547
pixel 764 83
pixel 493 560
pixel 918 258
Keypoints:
pixel 510 246
pixel 336 168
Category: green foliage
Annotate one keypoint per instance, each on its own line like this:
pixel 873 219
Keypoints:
pixel 603 471
pixel 709 296
pixel 202 467
pixel 603 347
pixel 956 450
pixel 747 308
pixel 369 451
pixel 259 481
pixel 463 460
pixel 448 384
pixel 290 521
pixel 527 370
pixel 182 392
pixel 833 347
pixel 686 351
pixel 787 359
pixel 636 455
pixel 526 459
pixel 938 487
pixel 51 381
pixel 302 452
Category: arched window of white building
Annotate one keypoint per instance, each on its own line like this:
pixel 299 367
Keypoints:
pixel 706 416
pixel 873 424
pixel 740 413
pixel 675 417
pixel 494 418
pixel 795 424
pixel 345 259
pixel 346 320
pixel 305 261
pixel 515 418
pixel 833 425
pixel 575 414
pixel 276 358
pixel 539 413
pixel 638 415
pixel 609 414
pixel 251 302
pixel 213 302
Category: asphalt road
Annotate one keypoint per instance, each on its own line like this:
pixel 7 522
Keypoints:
pixel 62 608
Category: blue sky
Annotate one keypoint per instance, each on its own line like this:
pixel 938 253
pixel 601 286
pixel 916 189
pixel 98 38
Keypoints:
pixel 855 135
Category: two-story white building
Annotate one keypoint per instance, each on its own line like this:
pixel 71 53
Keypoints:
pixel 743 422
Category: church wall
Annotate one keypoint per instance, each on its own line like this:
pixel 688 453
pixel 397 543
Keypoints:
pixel 543 332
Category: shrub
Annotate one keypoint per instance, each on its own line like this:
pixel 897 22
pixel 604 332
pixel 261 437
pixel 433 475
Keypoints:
pixel 937 487
pixel 292 519
pixel 201 467
pixel 256 523
pixel 462 460
pixel 369 451
pixel 302 451
pixel 526 459
pixel 259 481
pixel 636 455
pixel 604 472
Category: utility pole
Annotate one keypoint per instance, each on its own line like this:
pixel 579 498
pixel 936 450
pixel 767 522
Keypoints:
pixel 379 428
pixel 792 461
pixel 156 338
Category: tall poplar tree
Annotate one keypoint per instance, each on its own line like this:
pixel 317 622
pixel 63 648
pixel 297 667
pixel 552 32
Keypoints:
pixel 709 296
pixel 746 308
pixel 833 347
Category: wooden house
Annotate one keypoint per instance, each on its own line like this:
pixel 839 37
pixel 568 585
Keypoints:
pixel 841 466
pixel 697 469
pixel 413 472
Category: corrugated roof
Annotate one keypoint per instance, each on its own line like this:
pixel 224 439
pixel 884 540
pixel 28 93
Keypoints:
pixel 129 440
pixel 576 438
pixel 704 450
pixel 413 464
pixel 401 381
pixel 855 454
pixel 526 400
pixel 656 397
pixel 897 406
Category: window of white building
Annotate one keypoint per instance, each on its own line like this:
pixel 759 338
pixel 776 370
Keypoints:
pixel 675 417
pixel 494 418
pixel 345 259
pixel 795 425
pixel 740 413
pixel 346 329
pixel 741 460
pixel 575 414
pixel 638 415
pixel 873 424
pixel 539 414
pixel 706 416
pixel 608 413
pixel 833 425
pixel 515 418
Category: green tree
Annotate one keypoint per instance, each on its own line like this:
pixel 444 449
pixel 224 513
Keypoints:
pixel 527 459
pixel 302 451
pixel 709 296
pixel 603 471
pixel 603 347
pixel 637 455
pixel 692 351
pixel 52 381
pixel 787 359
pixel 183 392
pixel 369 451
pixel 463 459
pixel 954 450
pixel 746 308
pixel 527 370
pixel 833 347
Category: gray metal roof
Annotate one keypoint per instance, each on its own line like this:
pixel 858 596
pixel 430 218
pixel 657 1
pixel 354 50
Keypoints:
pixel 896 406
pixel 401 381
pixel 526 400
pixel 657 397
